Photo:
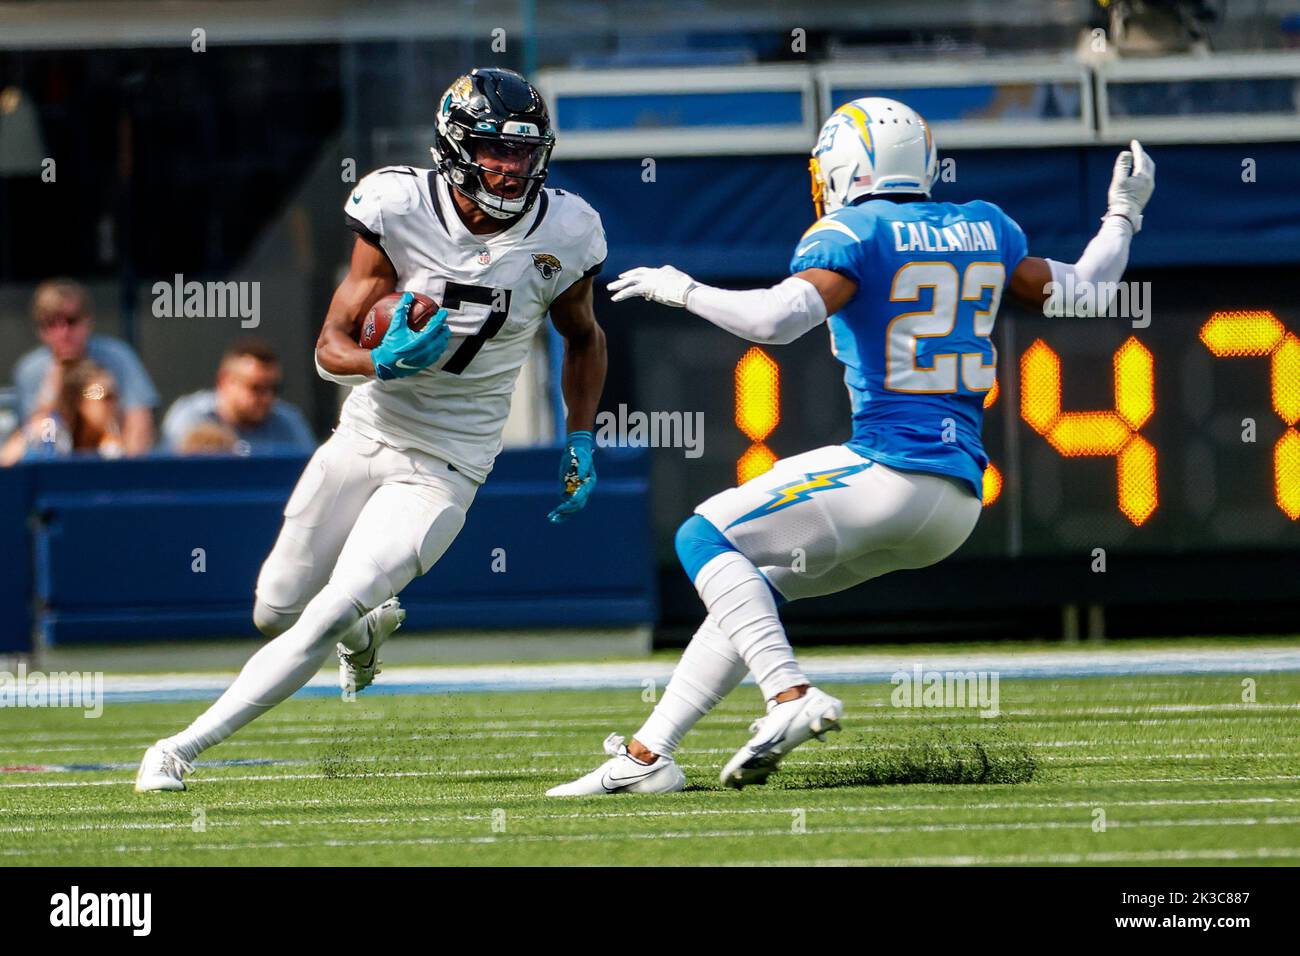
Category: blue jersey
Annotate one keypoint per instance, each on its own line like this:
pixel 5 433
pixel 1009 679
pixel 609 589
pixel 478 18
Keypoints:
pixel 915 339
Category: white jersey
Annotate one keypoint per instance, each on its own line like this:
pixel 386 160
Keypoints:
pixel 496 290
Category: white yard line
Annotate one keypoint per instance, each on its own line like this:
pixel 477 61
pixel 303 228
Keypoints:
pixel 213 814
pixel 617 836
pixel 866 667
pixel 218 778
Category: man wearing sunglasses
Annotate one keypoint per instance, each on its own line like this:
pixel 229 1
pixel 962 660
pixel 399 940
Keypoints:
pixel 245 403
pixel 66 327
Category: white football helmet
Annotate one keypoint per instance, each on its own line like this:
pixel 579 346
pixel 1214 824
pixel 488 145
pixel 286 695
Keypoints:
pixel 871 146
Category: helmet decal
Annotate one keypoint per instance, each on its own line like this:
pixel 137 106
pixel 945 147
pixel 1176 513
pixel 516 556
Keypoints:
pixel 861 121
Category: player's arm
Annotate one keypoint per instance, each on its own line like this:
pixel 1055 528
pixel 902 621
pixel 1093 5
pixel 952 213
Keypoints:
pixel 370 277
pixel 772 316
pixel 1035 280
pixel 582 380
pixel 585 360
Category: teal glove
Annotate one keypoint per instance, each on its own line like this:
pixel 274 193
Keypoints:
pixel 403 352
pixel 577 475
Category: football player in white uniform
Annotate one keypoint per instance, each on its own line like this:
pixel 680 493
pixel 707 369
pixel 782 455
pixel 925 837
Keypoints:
pixel 386 495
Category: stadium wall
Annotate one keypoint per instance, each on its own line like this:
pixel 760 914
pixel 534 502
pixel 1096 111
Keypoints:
pixel 165 548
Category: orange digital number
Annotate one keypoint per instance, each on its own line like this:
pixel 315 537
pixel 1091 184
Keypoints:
pixel 1259 334
pixel 758 410
pixel 1099 433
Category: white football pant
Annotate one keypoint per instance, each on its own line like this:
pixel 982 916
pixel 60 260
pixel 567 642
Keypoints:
pixel 364 517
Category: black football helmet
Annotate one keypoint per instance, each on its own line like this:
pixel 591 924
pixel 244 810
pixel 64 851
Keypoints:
pixel 494 114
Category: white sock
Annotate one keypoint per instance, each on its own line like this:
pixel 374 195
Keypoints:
pixel 273 674
pixel 739 599
pixel 709 670
pixel 360 635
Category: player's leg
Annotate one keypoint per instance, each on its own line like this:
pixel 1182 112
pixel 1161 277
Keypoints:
pixel 318 517
pixel 713 663
pixel 324 504
pixel 828 524
pixel 709 669
pixel 404 527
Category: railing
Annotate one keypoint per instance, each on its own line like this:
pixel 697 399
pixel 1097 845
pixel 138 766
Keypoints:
pixel 983 104
pixel 686 112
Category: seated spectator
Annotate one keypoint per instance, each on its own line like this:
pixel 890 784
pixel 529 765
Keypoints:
pixel 244 401
pixel 84 417
pixel 64 322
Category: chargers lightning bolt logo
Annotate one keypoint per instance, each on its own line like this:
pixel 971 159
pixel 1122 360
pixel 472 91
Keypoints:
pixel 801 490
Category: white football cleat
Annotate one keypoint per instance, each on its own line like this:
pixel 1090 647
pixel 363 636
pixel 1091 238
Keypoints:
pixel 357 670
pixel 785 727
pixel 623 773
pixel 161 769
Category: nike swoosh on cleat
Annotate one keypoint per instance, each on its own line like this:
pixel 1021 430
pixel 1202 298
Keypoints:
pixel 766 745
pixel 613 783
pixel 356 199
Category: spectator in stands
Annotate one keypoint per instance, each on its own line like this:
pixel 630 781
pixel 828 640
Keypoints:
pixel 244 402
pixel 65 324
pixel 84 416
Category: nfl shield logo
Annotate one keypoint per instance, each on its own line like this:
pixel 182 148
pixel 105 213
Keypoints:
pixel 485 257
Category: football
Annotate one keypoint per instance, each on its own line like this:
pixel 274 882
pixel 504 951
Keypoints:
pixel 376 322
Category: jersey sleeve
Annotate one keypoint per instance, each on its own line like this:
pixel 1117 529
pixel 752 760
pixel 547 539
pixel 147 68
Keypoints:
pixel 597 250
pixel 378 199
pixel 585 235
pixel 1014 245
pixel 834 243
pixel 1011 238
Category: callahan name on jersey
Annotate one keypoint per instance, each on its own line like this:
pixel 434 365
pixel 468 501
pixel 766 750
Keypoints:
pixel 974 236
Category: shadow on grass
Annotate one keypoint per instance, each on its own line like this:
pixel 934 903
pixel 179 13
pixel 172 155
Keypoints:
pixel 962 754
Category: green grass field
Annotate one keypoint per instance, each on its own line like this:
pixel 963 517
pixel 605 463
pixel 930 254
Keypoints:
pixel 1179 768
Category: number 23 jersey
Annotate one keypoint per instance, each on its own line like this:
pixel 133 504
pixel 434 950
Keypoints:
pixel 496 290
pixel 916 338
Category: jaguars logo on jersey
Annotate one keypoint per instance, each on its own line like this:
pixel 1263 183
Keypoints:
pixel 547 265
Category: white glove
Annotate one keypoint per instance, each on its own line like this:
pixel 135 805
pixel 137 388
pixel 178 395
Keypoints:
pixel 1131 185
pixel 665 285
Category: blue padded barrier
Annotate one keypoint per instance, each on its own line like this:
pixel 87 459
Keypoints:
pixel 112 555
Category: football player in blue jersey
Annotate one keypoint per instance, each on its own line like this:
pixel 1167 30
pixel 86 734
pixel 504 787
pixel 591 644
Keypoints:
pixel 910 288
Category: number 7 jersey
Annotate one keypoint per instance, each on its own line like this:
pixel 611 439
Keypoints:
pixel 496 290
pixel 916 338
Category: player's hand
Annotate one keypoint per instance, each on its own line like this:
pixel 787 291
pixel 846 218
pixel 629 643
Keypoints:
pixel 404 352
pixel 665 285
pixel 1131 185
pixel 577 475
